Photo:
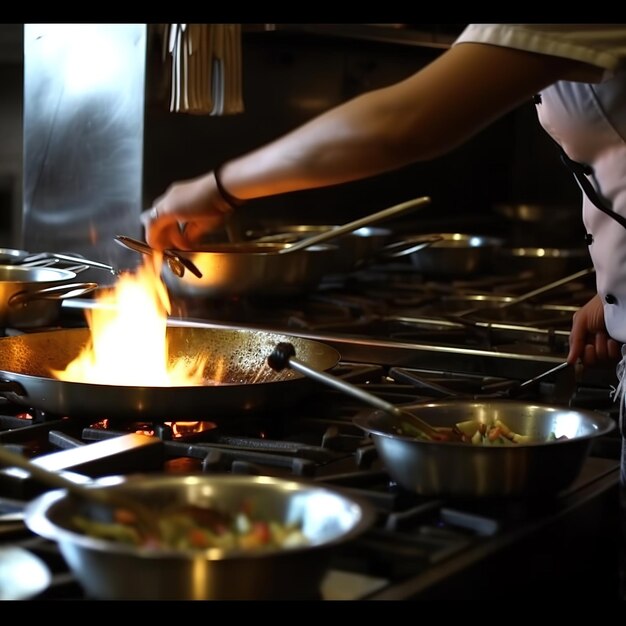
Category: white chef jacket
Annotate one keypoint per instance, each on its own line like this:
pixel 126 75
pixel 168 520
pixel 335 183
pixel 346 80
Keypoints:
pixel 589 122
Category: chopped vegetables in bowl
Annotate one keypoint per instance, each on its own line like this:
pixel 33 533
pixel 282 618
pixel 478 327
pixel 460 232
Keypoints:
pixel 507 447
pixel 480 433
pixel 189 527
pixel 223 536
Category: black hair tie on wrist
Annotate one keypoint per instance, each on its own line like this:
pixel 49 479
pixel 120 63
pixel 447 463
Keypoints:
pixel 227 197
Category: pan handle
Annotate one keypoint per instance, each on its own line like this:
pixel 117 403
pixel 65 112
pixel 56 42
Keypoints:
pixel 284 356
pixel 327 235
pixel 405 247
pixel 548 287
pixel 59 292
pixel 51 258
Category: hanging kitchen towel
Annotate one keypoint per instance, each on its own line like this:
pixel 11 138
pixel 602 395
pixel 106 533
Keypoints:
pixel 206 68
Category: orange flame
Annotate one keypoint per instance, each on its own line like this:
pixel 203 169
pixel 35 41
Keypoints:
pixel 128 343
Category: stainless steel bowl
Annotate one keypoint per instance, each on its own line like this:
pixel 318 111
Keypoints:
pixel 465 470
pixel 115 571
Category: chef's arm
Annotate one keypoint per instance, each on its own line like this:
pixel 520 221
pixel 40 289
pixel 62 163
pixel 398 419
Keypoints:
pixel 419 118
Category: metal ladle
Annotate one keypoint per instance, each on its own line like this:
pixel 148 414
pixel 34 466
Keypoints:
pixel 283 356
pixel 145 519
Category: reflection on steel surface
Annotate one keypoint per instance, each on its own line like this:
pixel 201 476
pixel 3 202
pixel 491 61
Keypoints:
pixel 83 138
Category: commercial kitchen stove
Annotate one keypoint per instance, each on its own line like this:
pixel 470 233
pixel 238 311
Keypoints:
pixel 397 341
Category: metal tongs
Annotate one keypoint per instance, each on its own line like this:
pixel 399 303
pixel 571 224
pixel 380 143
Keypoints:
pixel 509 388
pixel 493 390
pixel 176 262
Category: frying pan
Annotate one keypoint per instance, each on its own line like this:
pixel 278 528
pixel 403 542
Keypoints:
pixel 262 268
pixel 249 384
pixel 539 468
pixel 446 466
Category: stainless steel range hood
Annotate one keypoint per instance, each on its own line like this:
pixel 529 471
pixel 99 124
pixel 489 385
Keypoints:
pixel 83 139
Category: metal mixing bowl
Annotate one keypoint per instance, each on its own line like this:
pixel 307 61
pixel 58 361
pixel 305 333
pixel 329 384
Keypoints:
pixel 466 470
pixel 117 571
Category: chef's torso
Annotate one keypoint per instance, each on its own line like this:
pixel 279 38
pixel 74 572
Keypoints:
pixel 589 123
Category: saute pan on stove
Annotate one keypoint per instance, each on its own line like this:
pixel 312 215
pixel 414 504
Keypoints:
pixel 263 268
pixel 248 383
pixel 539 467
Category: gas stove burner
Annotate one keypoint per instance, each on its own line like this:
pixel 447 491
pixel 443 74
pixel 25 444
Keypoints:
pixel 166 431
pixel 416 540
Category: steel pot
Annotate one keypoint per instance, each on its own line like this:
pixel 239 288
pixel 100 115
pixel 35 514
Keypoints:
pixel 238 358
pixel 455 254
pixel 465 470
pixel 111 570
pixel 30 297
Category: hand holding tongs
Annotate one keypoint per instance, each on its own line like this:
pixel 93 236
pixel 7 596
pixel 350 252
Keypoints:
pixel 176 262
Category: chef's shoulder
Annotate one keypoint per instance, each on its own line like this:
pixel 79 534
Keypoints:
pixel 596 50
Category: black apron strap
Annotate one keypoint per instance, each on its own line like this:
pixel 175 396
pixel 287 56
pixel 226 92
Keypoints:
pixel 580 172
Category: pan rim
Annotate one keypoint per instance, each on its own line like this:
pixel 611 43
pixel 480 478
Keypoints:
pixel 604 424
pixel 332 353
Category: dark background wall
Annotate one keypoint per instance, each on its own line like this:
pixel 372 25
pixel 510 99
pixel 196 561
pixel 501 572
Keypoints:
pixel 289 77
pixel 11 81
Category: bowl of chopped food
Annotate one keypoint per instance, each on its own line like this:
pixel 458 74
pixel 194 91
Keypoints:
pixel 219 537
pixel 501 447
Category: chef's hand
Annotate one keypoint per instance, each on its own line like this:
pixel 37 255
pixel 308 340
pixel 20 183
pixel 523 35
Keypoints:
pixel 588 339
pixel 188 210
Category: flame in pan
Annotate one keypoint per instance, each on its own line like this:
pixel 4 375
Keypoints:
pixel 128 344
